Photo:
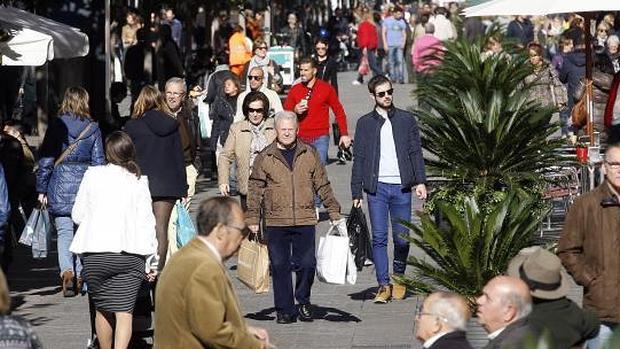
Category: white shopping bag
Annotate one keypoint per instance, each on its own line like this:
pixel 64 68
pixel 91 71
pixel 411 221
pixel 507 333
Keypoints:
pixel 206 124
pixel 335 262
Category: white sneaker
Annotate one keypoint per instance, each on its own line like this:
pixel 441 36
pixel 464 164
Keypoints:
pixel 356 83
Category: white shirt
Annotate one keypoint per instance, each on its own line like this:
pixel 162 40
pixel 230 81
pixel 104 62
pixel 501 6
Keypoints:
pixel 213 249
pixel 433 339
pixel 496 333
pixel 114 213
pixel 388 161
pixel 275 104
pixel 444 29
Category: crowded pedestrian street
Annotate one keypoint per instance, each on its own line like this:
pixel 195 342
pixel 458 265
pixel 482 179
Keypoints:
pixel 338 174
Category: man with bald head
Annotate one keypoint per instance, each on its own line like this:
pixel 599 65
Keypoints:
pixel 442 320
pixel 503 308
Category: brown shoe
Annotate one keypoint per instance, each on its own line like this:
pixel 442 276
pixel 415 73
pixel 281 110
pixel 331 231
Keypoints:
pixel 78 285
pixel 384 294
pixel 68 285
pixel 399 291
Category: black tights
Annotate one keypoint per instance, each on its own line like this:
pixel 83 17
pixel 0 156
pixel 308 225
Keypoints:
pixel 162 208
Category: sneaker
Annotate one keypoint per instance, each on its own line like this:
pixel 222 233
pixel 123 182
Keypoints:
pixel 384 294
pixel 399 291
pixel 356 83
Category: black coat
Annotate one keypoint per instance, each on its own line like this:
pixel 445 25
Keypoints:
pixel 567 324
pixel 223 114
pixel 327 71
pixel 514 336
pixel 452 340
pixel 159 153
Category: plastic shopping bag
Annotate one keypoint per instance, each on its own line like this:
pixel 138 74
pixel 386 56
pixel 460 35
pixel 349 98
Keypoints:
pixel 335 263
pixel 185 227
pixel 206 124
pixel 364 67
pixel 28 232
pixel 42 235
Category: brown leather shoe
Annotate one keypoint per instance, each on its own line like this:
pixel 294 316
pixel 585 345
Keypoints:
pixel 68 284
pixel 79 283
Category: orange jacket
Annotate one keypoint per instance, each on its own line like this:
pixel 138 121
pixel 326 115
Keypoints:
pixel 239 51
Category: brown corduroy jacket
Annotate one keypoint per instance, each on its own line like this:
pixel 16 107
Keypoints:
pixel 237 149
pixel 588 249
pixel 288 194
pixel 196 306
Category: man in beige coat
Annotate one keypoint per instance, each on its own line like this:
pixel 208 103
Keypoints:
pixel 195 305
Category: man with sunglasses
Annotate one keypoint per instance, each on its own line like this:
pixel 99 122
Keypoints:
pixel 255 83
pixel 588 247
pixel 387 165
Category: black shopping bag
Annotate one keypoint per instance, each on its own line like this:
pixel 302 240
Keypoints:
pixel 359 237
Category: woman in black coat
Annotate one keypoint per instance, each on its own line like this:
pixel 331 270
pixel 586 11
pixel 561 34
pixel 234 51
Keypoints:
pixel 159 153
pixel 223 113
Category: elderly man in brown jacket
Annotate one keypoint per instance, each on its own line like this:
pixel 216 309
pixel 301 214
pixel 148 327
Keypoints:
pixel 196 306
pixel 285 178
pixel 588 247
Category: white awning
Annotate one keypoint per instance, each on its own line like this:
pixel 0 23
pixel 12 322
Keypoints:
pixel 38 39
pixel 538 7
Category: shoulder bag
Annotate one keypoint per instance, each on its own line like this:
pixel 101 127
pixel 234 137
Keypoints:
pixel 72 146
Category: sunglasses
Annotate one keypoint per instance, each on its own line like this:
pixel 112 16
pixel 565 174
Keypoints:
pixel 321 48
pixel 255 77
pixel 261 48
pixel 383 93
pixel 257 110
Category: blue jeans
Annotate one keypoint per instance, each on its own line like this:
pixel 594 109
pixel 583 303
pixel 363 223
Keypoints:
pixel 395 60
pixel 602 339
pixel 65 229
pixel 390 202
pixel 321 145
pixel 291 249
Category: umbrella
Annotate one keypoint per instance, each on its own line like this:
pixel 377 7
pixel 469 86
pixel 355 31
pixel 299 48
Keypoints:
pixel 36 39
pixel 538 8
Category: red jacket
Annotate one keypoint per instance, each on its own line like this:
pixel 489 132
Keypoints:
pixel 315 121
pixel 367 35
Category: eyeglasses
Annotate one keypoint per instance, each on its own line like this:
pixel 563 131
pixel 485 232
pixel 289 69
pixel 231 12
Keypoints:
pixel 603 30
pixel 257 110
pixel 175 94
pixel 613 165
pixel 245 231
pixel 255 77
pixel 383 93
pixel 419 312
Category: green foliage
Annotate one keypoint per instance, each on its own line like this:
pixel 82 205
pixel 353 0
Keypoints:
pixel 472 245
pixel 482 127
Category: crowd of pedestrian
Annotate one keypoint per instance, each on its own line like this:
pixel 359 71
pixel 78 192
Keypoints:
pixel 113 192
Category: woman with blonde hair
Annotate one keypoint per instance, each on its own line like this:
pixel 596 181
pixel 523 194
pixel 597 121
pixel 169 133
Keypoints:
pixel 155 134
pixel 71 144
pixel 116 234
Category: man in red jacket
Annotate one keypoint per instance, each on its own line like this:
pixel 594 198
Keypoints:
pixel 367 40
pixel 311 100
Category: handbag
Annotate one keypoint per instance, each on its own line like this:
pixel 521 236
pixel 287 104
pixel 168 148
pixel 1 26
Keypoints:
pixel 334 261
pixel 42 234
pixel 72 146
pixel 579 114
pixel 364 67
pixel 185 227
pixel 360 243
pixel 253 264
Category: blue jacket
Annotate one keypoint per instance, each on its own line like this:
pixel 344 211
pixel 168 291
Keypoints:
pixel 61 184
pixel 573 70
pixel 5 207
pixel 366 151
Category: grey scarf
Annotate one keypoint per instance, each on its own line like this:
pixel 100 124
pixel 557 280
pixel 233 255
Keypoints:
pixel 259 141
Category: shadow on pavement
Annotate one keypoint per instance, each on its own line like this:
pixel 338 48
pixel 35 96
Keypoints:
pixel 320 313
pixel 364 295
pixel 263 315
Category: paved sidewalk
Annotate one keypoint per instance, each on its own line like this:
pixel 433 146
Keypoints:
pixel 348 318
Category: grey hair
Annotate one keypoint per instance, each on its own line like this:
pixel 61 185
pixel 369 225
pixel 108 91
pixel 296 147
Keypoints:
pixel 523 305
pixel 613 39
pixel 451 308
pixel 176 80
pixel 429 28
pixel 284 115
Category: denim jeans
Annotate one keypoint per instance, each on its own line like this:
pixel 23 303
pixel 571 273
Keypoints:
pixel 65 229
pixel 390 202
pixel 321 145
pixel 602 339
pixel 395 60
pixel 291 249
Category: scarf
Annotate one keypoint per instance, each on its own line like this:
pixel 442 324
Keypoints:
pixel 259 62
pixel 259 141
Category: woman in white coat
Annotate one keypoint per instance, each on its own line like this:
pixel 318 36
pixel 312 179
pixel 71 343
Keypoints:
pixel 115 236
